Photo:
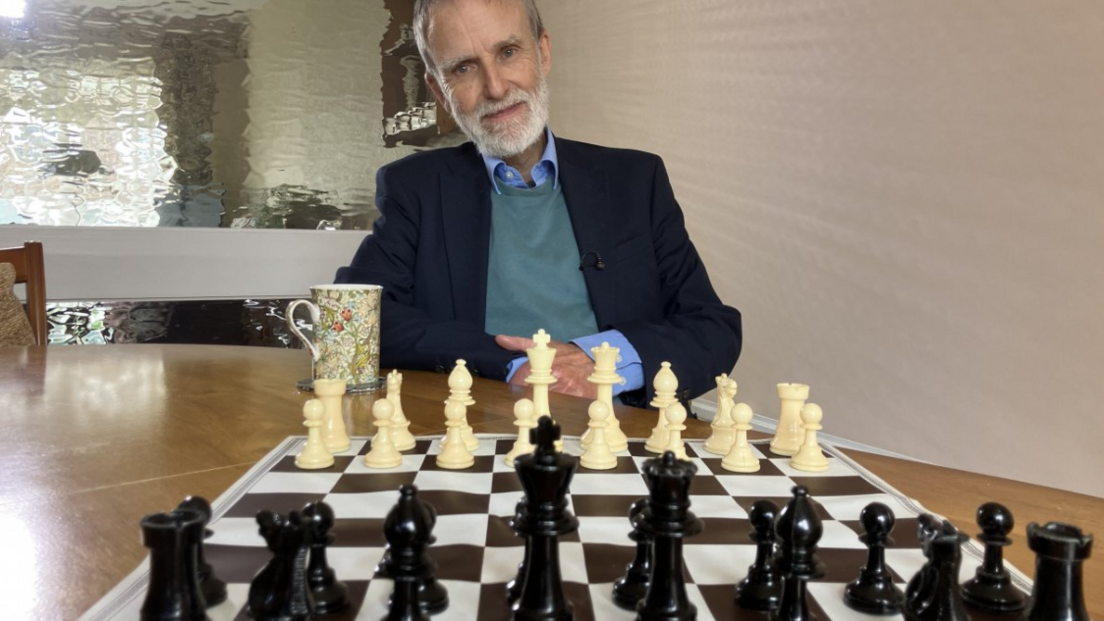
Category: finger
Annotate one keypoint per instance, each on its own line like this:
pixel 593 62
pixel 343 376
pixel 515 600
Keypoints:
pixel 514 343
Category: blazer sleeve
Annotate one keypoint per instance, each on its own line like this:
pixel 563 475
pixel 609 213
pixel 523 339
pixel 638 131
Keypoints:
pixel 698 335
pixel 410 338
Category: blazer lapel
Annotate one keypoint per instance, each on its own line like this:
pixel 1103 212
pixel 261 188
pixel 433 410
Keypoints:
pixel 466 214
pixel 586 191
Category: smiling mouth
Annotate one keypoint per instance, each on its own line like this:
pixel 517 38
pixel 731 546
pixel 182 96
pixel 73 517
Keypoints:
pixel 505 113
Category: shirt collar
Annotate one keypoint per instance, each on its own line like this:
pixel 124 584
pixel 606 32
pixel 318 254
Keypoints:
pixel 549 155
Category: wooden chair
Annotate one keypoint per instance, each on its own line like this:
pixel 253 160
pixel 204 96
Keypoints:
pixel 30 269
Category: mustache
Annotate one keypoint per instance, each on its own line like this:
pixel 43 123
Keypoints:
pixel 511 99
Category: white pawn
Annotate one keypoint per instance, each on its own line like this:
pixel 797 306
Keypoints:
pixel 404 440
pixel 665 385
pixel 383 453
pixel 723 435
pixel 524 420
pixel 598 455
pixel 676 416
pixel 454 454
pixel 740 457
pixel 315 455
pixel 809 457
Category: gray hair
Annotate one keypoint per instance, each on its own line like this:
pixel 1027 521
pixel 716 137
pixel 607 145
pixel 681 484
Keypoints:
pixel 421 27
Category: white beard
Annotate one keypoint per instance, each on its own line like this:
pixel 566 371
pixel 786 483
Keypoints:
pixel 514 136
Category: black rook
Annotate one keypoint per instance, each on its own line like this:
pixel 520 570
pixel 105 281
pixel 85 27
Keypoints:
pixel 173 593
pixel 1060 550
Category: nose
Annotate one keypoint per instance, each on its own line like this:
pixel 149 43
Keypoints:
pixel 494 84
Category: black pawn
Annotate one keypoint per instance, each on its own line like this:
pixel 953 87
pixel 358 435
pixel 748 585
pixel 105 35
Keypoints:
pixel 214 590
pixel 934 593
pixel 668 520
pixel 798 528
pixel 330 594
pixel 513 587
pixel 280 591
pixel 1060 550
pixel 545 476
pixel 633 586
pixel 762 588
pixel 173 593
pixel 991 590
pixel 873 592
pixel 408 530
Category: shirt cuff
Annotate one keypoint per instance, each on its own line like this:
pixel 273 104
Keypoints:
pixel 514 365
pixel 629 365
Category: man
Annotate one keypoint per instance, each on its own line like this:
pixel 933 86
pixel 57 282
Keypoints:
pixel 480 245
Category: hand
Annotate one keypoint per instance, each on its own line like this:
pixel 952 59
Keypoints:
pixel 571 367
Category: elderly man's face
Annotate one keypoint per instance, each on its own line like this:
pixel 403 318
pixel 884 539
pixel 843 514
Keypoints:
pixel 491 72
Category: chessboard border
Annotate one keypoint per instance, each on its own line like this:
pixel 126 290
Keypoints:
pixel 134 583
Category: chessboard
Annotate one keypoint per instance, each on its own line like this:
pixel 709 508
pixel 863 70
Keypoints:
pixel 477 552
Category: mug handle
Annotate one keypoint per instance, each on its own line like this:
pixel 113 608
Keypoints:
pixel 315 318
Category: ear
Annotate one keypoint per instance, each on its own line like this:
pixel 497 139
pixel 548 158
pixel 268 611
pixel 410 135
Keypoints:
pixel 545 45
pixel 435 88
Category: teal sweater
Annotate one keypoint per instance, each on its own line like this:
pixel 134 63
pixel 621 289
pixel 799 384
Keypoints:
pixel 533 277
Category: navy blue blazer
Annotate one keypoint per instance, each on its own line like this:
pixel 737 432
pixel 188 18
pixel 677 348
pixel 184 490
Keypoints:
pixel 429 251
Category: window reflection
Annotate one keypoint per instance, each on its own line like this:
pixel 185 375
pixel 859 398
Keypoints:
pixel 207 113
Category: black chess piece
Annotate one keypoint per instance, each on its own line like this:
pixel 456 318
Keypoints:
pixel 798 528
pixel 873 592
pixel 408 530
pixel 214 589
pixel 280 591
pixel 545 476
pixel 432 595
pixel 991 589
pixel 762 588
pixel 513 587
pixel 330 594
pixel 934 593
pixel 174 593
pixel 633 586
pixel 1060 550
pixel 668 520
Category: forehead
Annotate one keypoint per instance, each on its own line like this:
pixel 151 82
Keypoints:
pixel 463 27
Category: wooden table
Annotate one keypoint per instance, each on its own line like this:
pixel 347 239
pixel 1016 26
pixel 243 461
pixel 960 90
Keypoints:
pixel 96 437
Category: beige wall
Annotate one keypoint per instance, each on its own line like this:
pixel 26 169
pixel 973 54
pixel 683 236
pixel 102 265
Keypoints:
pixel 903 198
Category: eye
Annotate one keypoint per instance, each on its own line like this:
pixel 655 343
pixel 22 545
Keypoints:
pixel 509 52
pixel 461 69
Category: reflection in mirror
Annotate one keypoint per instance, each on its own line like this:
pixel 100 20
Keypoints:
pixel 207 113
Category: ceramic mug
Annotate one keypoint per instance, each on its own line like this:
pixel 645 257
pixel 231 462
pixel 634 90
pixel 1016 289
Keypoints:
pixel 346 333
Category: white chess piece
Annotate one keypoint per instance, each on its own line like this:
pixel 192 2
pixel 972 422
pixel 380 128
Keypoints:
pixel 541 358
pixel 809 457
pixel 454 454
pixel 400 432
pixel 740 457
pixel 604 377
pixel 665 385
pixel 788 437
pixel 524 420
pixel 383 453
pixel 724 434
pixel 676 416
pixel 598 455
pixel 330 393
pixel 315 455
pixel 460 383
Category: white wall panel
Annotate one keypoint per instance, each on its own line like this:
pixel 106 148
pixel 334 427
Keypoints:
pixel 904 199
pixel 94 263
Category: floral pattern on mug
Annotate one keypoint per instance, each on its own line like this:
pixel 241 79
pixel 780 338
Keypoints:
pixel 348 334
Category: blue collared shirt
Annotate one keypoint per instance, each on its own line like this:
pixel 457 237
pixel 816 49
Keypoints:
pixel 629 365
